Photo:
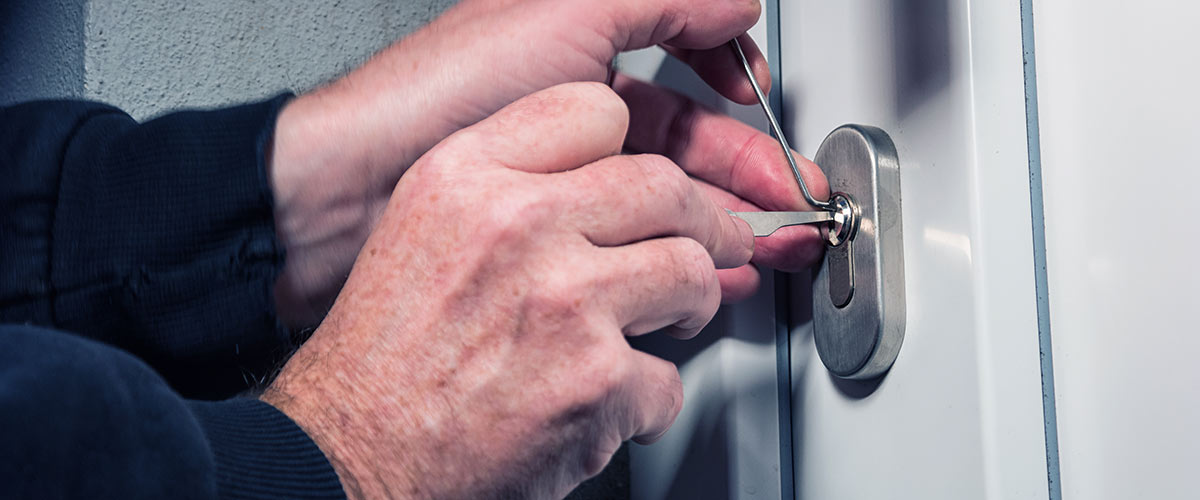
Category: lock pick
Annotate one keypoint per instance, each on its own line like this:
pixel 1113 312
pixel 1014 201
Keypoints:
pixel 776 129
pixel 766 223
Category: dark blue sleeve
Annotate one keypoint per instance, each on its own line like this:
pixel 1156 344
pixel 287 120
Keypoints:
pixel 80 419
pixel 157 238
pixel 154 245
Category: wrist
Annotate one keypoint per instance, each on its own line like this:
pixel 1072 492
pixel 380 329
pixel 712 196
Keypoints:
pixel 333 414
pixel 324 207
pixel 313 423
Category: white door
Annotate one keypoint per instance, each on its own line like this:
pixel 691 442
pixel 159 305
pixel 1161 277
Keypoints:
pixel 961 414
pixel 1047 192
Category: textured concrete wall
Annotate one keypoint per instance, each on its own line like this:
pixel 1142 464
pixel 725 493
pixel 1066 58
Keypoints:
pixel 151 56
pixel 41 49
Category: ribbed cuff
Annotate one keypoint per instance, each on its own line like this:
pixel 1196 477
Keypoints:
pixel 164 244
pixel 261 453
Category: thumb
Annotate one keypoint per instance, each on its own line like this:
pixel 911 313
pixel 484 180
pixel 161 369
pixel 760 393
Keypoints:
pixel 552 130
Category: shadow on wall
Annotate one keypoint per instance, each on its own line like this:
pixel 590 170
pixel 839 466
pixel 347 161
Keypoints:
pixel 921 47
pixel 697 459
pixel 41 49
pixel 676 75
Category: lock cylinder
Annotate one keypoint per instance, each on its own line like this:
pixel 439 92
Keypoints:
pixel 845 220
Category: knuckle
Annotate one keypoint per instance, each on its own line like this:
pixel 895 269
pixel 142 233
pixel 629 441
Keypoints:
pixel 695 277
pixel 673 392
pixel 586 98
pixel 665 178
pixel 599 456
pixel 602 374
pixel 710 301
pixel 655 167
pixel 604 98
pixel 598 180
pixel 559 297
pixel 452 150
pixel 514 209
pixel 693 265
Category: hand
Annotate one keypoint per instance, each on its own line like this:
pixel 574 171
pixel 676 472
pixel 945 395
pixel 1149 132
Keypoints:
pixel 477 349
pixel 338 151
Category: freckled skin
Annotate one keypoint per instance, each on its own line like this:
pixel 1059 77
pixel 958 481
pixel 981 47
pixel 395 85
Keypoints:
pixel 485 276
pixel 341 149
pixel 499 334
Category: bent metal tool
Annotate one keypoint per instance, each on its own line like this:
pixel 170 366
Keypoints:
pixel 840 209
pixel 776 130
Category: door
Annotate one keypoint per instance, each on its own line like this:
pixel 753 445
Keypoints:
pixel 960 414
pixel 963 412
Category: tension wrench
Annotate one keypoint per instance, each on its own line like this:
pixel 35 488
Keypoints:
pixel 765 223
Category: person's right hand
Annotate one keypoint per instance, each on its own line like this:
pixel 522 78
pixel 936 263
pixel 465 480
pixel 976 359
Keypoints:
pixel 478 348
pixel 339 151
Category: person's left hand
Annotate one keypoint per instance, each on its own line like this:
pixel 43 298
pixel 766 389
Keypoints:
pixel 339 151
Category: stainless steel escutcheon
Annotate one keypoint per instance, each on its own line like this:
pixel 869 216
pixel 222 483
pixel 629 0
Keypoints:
pixel 858 293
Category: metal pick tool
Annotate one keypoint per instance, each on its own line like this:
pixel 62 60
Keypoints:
pixel 776 130
pixel 840 210
pixel 765 223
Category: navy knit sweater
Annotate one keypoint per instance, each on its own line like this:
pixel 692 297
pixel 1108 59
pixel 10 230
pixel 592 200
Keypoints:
pixel 136 270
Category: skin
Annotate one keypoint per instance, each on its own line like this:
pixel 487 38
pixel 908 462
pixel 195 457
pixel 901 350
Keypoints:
pixel 339 151
pixel 490 249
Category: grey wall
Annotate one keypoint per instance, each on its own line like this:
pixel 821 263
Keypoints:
pixel 151 56
pixel 41 49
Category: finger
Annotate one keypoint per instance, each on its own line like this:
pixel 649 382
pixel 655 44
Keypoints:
pixel 663 282
pixel 688 24
pixel 625 199
pixel 788 249
pixel 723 70
pixel 738 284
pixel 715 147
pixel 655 397
pixel 555 129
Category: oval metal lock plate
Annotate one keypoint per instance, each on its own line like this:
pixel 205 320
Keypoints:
pixel 858 293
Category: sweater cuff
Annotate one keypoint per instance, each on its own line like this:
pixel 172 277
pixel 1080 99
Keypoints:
pixel 165 245
pixel 261 453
